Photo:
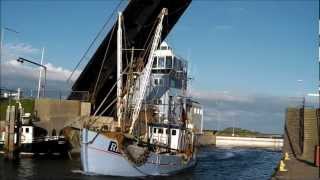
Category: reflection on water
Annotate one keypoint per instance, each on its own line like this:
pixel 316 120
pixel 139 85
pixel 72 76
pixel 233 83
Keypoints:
pixel 212 163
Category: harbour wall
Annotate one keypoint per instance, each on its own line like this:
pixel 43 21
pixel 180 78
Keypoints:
pixel 301 143
pixel 302 133
pixel 229 141
pixel 208 138
pixel 58 114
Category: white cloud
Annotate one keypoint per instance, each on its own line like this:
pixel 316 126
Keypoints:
pixel 13 68
pixel 60 73
pixel 21 48
pixel 221 96
pixel 259 112
pixel 10 67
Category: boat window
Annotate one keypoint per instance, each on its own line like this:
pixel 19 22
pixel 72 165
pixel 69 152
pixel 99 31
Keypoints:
pixel 157 101
pixel 154 65
pixel 176 61
pixel 154 130
pixel 173 132
pixel 161 62
pixel 27 130
pixel 167 131
pixel 179 65
pixel 172 83
pixel 156 82
pixel 160 82
pixel 160 130
pixel 163 47
pixel 169 62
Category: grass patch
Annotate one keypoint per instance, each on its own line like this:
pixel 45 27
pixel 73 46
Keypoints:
pixel 238 132
pixel 27 104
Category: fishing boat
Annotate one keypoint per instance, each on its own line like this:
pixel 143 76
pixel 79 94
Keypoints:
pixel 34 140
pixel 156 124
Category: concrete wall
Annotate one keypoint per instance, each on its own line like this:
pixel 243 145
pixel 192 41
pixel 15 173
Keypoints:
pixel 294 130
pixel 56 114
pixel 311 138
pixel 226 141
pixel 207 138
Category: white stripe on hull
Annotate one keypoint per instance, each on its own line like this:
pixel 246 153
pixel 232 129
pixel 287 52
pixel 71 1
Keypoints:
pixel 98 158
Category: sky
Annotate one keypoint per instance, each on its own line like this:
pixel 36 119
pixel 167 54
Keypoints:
pixel 245 57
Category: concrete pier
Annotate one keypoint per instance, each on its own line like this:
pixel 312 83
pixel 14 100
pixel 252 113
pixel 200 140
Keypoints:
pixel 54 115
pixel 229 141
pixel 300 140
pixel 209 138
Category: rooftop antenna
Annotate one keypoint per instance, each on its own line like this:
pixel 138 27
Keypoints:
pixel 190 73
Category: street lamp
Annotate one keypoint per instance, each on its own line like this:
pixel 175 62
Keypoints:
pixel 22 60
pixel 300 91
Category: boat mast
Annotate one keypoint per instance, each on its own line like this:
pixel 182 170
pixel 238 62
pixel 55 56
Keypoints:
pixel 119 68
pixel 147 71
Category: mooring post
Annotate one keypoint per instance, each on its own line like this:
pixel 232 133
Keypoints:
pixel 18 121
pixel 12 134
pixel 10 119
pixel 7 127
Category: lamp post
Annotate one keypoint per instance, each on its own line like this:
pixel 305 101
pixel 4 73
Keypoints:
pixel 300 91
pixel 22 60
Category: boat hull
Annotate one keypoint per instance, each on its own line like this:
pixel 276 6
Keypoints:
pixel 101 157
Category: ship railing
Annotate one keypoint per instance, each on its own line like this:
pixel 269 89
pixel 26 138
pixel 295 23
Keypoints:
pixel 46 138
pixel 55 94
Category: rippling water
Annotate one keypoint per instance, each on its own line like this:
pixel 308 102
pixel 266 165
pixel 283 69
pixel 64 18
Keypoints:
pixel 213 163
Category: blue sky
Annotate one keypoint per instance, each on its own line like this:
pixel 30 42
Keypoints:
pixel 248 48
pixel 254 46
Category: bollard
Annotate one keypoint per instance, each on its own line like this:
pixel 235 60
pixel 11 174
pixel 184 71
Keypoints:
pixel 286 156
pixel 282 167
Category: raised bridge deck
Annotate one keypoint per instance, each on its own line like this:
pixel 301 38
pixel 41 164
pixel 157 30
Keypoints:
pixel 139 19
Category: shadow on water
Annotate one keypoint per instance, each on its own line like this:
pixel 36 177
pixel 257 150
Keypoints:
pixel 213 163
